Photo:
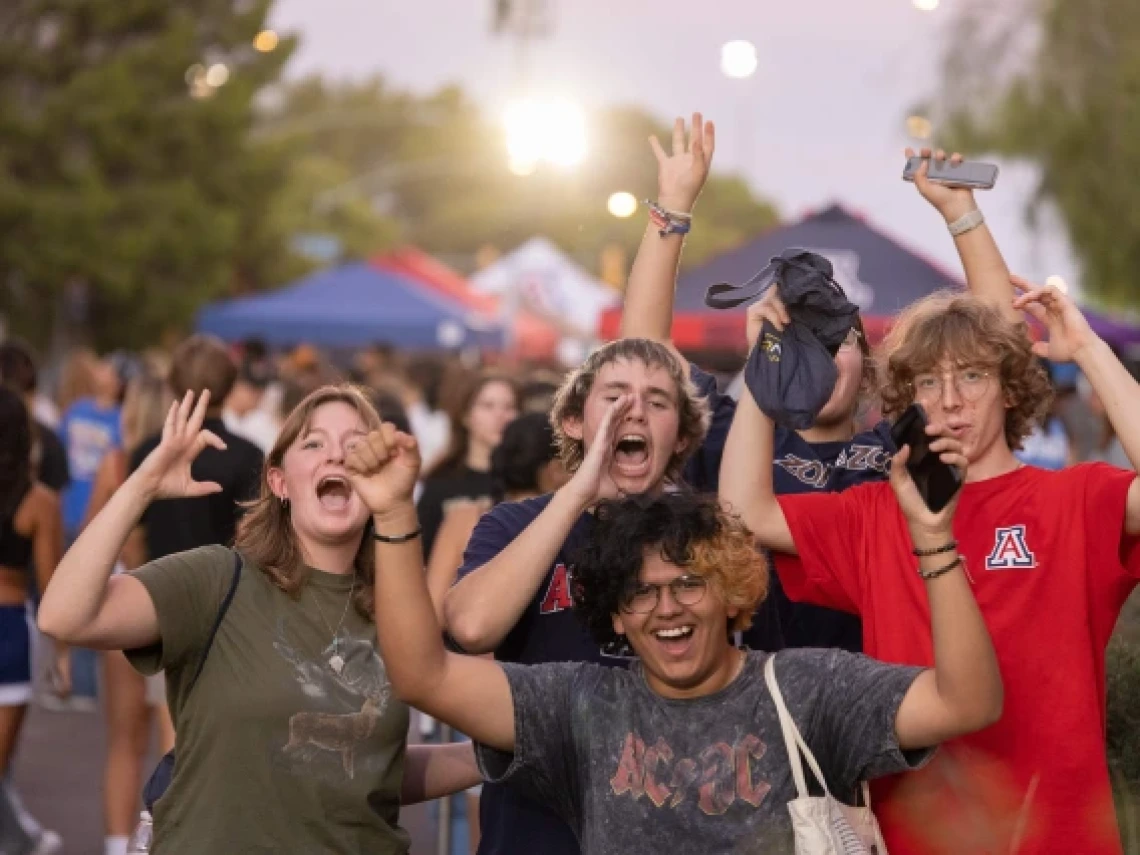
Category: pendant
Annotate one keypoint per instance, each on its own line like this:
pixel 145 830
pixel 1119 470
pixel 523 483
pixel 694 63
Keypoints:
pixel 336 663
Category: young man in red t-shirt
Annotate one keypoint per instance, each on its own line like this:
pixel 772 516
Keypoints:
pixel 1052 556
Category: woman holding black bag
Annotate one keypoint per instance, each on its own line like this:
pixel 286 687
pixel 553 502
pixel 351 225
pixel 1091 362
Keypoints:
pixel 291 739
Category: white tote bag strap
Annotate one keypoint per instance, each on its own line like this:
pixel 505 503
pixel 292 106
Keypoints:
pixel 792 739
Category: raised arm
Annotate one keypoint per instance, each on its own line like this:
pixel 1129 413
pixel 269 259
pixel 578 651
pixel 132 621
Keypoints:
pixel 963 692
pixel 987 275
pixel 83 604
pixel 746 468
pixel 486 604
pixel 1071 339
pixel 681 175
pixel 467 692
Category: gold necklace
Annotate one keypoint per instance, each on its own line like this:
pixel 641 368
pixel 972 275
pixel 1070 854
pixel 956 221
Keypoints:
pixel 336 661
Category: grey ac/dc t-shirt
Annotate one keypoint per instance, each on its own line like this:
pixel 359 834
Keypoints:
pixel 633 772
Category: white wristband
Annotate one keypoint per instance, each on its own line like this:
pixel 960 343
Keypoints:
pixel 967 222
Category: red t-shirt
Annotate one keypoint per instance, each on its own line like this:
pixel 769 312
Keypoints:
pixel 1051 569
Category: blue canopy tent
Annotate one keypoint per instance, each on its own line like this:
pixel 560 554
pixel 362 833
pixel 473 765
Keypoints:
pixel 352 306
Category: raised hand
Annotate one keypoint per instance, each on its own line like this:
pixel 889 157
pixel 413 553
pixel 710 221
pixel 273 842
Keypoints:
pixel 383 468
pixel 592 482
pixel 918 516
pixel 681 175
pixel 950 202
pixel 166 470
pixel 1069 331
pixel 768 308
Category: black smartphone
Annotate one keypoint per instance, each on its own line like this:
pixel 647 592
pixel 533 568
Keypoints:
pixel 969 173
pixel 937 482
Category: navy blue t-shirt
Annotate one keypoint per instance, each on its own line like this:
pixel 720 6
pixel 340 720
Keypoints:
pixel 548 631
pixel 825 467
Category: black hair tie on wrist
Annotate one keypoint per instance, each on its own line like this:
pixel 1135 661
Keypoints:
pixel 399 538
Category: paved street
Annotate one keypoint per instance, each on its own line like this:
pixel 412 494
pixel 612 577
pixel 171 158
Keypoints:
pixel 59 769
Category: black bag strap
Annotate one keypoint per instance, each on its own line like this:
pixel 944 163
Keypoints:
pixel 225 607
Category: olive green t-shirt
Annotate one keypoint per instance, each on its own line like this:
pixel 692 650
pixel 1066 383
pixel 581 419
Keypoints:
pixel 276 752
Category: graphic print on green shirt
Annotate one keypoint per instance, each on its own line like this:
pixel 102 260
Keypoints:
pixel 276 750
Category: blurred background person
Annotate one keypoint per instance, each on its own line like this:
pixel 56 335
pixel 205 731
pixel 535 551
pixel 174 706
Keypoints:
pixel 18 371
pixel 423 380
pixel 132 702
pixel 245 412
pixel 31 530
pixel 477 419
pixel 202 363
pixel 90 427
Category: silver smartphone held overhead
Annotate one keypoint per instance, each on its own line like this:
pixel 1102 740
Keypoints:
pixel 969 173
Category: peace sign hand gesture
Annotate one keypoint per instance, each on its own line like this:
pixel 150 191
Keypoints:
pixel 681 175
pixel 166 470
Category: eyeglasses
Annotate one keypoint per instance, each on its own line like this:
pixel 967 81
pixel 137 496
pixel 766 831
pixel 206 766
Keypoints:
pixel 852 340
pixel 970 383
pixel 686 590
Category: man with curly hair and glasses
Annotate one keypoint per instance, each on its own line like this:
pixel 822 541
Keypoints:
pixel 683 751
pixel 1052 556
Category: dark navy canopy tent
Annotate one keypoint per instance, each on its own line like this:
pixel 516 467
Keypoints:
pixel 878 274
pixel 352 306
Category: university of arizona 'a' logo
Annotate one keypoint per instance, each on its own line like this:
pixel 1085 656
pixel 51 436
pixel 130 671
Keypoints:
pixel 1010 551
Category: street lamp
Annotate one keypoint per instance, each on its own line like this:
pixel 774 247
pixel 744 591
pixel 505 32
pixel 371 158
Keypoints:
pixel 919 127
pixel 622 205
pixel 551 131
pixel 738 59
pixel 266 41
pixel 926 5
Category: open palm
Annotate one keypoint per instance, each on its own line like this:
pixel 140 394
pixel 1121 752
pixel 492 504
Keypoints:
pixel 167 468
pixel 383 468
pixel 682 174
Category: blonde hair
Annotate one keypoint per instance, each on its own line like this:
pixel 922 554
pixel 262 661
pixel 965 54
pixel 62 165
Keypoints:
pixel 570 400
pixel 145 405
pixel 265 533
pixel 971 332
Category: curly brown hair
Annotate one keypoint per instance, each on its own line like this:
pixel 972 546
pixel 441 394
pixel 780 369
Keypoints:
pixel 265 534
pixel 971 332
pixel 689 530
pixel 570 401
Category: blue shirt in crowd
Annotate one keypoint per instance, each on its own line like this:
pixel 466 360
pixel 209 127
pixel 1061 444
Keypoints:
pixel 87 431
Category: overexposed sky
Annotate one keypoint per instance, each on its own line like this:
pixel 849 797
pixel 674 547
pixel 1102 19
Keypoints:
pixel 821 120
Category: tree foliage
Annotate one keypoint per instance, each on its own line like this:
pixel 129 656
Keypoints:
pixel 123 199
pixel 437 165
pixel 1058 82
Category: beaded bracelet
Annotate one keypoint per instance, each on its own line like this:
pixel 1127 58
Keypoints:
pixel 926 553
pixel 927 575
pixel 669 222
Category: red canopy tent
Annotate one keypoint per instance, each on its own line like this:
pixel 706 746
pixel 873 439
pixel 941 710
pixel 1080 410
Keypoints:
pixel 533 338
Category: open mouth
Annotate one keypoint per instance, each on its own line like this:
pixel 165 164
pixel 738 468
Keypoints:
pixel 631 454
pixel 675 639
pixel 334 492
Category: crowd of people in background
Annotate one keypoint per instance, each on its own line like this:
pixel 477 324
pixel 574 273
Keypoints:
pixel 540 561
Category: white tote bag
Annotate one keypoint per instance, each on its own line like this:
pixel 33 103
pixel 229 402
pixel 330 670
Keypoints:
pixel 823 825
